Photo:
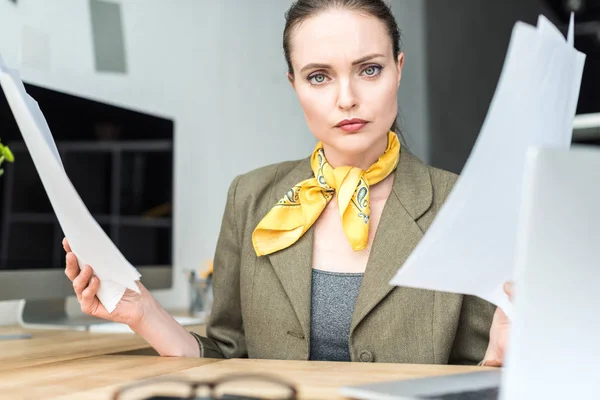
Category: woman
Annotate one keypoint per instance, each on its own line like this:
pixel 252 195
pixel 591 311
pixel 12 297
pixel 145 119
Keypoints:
pixel 307 248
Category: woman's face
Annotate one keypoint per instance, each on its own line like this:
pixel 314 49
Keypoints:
pixel 344 69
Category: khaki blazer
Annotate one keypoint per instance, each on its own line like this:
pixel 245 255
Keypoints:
pixel 262 304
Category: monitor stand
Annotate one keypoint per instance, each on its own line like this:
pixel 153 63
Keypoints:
pixel 52 314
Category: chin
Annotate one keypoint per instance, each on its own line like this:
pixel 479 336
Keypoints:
pixel 352 143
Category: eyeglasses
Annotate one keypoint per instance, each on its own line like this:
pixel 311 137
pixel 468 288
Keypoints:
pixel 238 387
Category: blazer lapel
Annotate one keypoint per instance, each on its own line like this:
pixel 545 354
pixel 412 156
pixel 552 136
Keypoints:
pixel 293 265
pixel 396 237
pixel 397 234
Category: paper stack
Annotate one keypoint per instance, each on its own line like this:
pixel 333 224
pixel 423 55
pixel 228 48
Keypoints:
pixel 470 246
pixel 88 241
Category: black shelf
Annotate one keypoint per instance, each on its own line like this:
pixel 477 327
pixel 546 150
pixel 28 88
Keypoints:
pixel 148 222
pixel 126 186
pixel 586 129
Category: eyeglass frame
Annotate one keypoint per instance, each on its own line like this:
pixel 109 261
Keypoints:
pixel 210 384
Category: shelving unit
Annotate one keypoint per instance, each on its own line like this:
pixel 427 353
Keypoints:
pixel 126 186
pixel 586 128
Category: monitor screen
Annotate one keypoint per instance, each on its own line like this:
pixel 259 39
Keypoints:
pixel 120 162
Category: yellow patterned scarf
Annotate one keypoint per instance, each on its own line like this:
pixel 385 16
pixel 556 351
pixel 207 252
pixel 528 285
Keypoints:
pixel 297 211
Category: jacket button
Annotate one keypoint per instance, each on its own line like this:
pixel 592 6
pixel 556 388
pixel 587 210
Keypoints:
pixel 366 356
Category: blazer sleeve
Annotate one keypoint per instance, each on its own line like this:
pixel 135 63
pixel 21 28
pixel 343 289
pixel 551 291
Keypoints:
pixel 225 329
pixel 473 332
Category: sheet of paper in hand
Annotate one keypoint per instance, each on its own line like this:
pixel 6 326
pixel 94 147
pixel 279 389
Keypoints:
pixel 87 239
pixel 470 246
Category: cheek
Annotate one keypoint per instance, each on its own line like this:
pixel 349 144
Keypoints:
pixel 316 105
pixel 391 109
pixel 381 98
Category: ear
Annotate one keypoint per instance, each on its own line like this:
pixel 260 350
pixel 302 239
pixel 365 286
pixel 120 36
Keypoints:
pixel 400 64
pixel 291 79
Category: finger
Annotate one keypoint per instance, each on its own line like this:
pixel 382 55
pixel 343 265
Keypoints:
pixel 88 296
pixel 72 268
pixel 82 281
pixel 492 363
pixel 509 289
pixel 66 246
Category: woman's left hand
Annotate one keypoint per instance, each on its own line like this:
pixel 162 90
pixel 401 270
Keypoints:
pixel 494 356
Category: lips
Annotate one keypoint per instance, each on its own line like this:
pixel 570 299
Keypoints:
pixel 351 125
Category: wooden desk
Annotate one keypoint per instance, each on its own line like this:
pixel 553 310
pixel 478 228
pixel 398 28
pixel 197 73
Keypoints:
pixel 51 346
pixel 86 366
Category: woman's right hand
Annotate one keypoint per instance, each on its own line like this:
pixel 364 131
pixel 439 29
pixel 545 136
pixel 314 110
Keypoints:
pixel 140 311
pixel 130 310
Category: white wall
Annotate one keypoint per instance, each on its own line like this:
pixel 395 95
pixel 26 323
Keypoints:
pixel 217 68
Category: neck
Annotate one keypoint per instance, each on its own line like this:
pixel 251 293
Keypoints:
pixel 362 160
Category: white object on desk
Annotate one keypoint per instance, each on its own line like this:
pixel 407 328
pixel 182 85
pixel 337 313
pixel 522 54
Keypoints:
pixel 554 344
pixel 115 327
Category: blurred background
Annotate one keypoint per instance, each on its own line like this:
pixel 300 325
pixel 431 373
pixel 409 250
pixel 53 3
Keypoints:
pixel 156 105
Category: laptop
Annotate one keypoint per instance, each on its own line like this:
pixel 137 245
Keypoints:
pixel 554 347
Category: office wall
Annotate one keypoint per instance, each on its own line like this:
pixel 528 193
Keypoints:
pixel 466 45
pixel 412 96
pixel 217 68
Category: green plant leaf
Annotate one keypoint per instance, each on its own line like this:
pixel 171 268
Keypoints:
pixel 8 154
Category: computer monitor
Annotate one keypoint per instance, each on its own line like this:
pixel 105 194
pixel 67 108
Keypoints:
pixel 120 161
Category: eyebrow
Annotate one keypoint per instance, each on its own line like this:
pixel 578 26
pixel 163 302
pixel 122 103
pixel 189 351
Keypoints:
pixel 327 66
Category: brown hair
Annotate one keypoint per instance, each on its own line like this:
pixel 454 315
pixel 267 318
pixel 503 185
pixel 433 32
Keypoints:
pixel 303 9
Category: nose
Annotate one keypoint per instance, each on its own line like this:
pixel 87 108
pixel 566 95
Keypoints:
pixel 347 97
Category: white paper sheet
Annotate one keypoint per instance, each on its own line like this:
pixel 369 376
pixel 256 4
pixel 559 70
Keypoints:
pixel 87 239
pixel 469 248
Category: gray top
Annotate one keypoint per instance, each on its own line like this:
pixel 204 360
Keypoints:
pixel 333 298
